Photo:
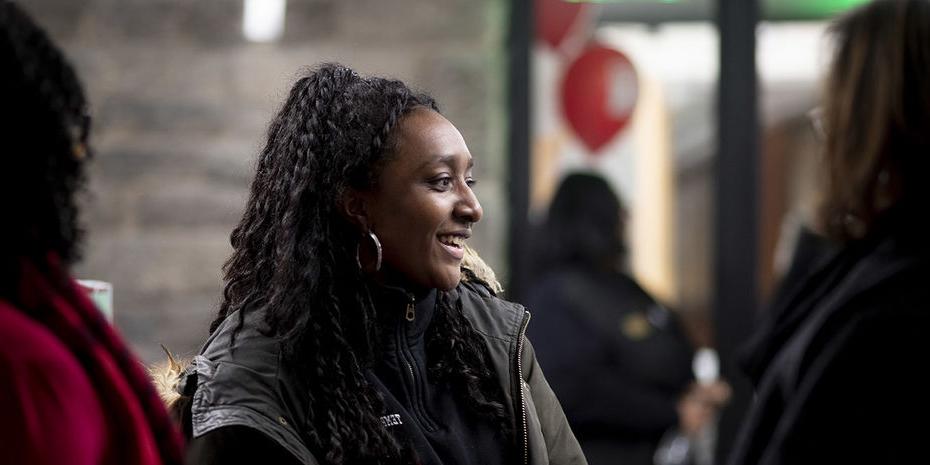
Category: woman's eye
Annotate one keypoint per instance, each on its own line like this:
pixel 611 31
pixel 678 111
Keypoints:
pixel 442 184
pixel 471 182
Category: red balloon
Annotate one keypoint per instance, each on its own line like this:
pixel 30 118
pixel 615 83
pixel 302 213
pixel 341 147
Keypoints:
pixel 599 94
pixel 555 18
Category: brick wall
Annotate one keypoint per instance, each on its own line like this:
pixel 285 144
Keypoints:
pixel 181 101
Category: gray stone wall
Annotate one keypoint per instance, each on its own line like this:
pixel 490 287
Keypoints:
pixel 180 103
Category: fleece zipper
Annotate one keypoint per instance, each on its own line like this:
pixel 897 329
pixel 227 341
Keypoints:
pixel 415 388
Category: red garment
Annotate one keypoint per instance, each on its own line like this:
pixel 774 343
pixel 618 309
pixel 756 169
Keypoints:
pixel 70 391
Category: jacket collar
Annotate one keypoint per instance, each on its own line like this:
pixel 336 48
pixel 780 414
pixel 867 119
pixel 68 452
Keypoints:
pixel 857 268
pixel 393 307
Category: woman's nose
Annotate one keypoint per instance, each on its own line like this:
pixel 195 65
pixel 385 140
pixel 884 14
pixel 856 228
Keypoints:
pixel 468 208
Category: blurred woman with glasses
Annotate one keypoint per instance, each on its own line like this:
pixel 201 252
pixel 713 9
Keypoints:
pixel 840 365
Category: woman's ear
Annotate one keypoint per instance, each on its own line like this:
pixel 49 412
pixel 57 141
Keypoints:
pixel 353 204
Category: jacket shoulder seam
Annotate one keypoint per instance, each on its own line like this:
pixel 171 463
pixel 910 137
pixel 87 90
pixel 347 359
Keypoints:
pixel 507 313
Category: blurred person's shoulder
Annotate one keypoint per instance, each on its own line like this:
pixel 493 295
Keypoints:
pixel 27 345
pixel 45 393
pixel 887 295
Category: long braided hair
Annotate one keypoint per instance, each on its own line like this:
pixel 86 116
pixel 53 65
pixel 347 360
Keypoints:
pixel 43 128
pixel 294 257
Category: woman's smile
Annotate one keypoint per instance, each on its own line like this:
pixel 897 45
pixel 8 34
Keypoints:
pixel 454 243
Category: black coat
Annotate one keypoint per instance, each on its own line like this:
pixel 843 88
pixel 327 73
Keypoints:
pixel 616 359
pixel 841 364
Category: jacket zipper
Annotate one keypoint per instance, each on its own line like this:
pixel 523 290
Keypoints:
pixel 411 314
pixel 413 379
pixel 526 435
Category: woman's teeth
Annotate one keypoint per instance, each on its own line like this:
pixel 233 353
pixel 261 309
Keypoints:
pixel 454 241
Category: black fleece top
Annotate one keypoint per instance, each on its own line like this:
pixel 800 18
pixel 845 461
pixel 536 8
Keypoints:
pixel 432 424
pixel 430 417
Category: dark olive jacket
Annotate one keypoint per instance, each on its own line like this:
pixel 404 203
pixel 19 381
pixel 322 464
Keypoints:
pixel 252 387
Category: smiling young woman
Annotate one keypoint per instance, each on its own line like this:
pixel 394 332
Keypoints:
pixel 423 206
pixel 352 330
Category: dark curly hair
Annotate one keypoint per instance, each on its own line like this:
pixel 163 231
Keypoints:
pixel 294 258
pixel 43 132
pixel 584 225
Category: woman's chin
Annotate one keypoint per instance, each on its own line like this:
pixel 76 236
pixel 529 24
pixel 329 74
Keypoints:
pixel 448 280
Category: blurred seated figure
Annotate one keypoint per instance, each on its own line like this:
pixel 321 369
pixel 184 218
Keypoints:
pixel 70 392
pixel 839 363
pixel 618 360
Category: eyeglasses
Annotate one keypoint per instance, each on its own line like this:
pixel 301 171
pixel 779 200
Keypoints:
pixel 815 116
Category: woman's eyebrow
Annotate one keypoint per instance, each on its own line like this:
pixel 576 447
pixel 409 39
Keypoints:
pixel 448 160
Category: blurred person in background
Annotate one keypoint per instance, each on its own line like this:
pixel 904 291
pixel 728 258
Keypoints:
pixel 356 327
pixel 70 391
pixel 617 359
pixel 840 362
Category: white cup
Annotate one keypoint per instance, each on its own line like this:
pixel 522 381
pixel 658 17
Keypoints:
pixel 101 294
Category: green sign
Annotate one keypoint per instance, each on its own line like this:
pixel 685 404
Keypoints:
pixel 807 9
pixel 771 9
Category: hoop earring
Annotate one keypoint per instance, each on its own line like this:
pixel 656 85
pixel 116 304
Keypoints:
pixel 378 256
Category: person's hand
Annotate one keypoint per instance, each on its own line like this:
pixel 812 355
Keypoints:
pixel 699 405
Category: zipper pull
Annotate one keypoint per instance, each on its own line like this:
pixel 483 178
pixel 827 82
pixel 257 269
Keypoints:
pixel 411 314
